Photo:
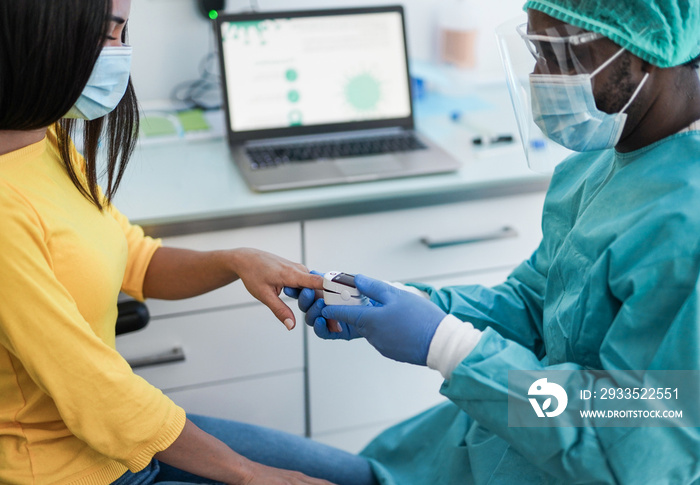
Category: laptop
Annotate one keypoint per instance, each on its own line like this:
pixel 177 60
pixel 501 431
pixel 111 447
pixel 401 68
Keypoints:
pixel 321 97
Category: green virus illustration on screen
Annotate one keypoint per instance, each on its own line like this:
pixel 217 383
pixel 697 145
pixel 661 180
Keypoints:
pixel 291 74
pixel 363 92
pixel 242 30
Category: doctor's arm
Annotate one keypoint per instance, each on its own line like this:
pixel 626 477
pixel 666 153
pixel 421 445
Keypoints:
pixel 512 308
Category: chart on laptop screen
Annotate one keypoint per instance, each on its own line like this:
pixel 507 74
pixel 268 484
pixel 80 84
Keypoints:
pixel 303 71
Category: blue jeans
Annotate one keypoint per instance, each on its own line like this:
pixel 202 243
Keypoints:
pixel 266 446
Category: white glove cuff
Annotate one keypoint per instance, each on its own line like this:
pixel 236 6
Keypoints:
pixel 452 343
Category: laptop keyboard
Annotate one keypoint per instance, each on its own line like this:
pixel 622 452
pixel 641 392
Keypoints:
pixel 270 156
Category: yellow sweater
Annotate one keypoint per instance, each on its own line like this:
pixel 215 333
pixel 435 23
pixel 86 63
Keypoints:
pixel 71 409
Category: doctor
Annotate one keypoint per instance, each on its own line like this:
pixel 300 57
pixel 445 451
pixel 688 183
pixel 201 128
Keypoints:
pixel 613 285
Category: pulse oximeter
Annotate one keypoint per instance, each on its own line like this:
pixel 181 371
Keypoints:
pixel 339 289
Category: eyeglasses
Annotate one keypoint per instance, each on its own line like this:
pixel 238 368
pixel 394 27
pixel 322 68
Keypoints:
pixel 540 45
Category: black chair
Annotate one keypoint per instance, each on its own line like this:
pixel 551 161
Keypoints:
pixel 133 315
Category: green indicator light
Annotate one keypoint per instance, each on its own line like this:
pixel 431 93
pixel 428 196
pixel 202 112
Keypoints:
pixel 213 14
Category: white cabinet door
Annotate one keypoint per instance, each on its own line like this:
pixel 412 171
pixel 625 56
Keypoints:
pixel 352 385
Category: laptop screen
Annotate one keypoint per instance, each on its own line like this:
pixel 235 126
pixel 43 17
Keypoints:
pixel 290 70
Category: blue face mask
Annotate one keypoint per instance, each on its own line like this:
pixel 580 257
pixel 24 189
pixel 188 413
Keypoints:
pixel 106 86
pixel 564 108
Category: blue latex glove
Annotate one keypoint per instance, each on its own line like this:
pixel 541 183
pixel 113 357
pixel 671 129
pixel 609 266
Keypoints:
pixel 399 324
pixel 329 329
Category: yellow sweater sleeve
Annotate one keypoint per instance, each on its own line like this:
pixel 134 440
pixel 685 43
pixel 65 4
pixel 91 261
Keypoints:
pixel 97 395
pixel 141 249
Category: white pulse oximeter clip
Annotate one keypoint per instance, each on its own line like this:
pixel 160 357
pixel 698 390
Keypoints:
pixel 339 289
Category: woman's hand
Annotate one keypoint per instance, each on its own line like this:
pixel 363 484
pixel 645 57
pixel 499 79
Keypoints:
pixel 265 475
pixel 265 275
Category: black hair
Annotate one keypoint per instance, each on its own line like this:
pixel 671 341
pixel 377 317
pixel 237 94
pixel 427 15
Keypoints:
pixel 47 52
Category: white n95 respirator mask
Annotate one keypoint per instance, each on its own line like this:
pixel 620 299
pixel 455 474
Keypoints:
pixel 106 86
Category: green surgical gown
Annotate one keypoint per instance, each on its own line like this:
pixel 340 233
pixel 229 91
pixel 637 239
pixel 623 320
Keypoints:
pixel 613 285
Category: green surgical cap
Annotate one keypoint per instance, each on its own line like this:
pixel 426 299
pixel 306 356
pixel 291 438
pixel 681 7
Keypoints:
pixel 665 33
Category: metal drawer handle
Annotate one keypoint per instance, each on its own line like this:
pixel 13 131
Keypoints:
pixel 174 355
pixel 502 233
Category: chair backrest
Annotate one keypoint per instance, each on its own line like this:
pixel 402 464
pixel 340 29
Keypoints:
pixel 133 315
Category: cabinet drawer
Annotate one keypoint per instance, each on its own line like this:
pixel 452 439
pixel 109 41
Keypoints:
pixel 275 401
pixel 499 232
pixel 281 239
pixel 217 345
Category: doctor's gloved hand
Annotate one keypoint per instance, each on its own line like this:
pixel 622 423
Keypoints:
pixel 399 324
pixel 327 328
pixel 311 303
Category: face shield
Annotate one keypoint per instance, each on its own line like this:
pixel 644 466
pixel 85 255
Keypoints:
pixel 551 76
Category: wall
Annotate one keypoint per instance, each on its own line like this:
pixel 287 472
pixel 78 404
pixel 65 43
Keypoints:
pixel 170 38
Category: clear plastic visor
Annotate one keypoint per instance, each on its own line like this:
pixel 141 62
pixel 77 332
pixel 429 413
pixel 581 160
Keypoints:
pixel 558 51
pixel 564 51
